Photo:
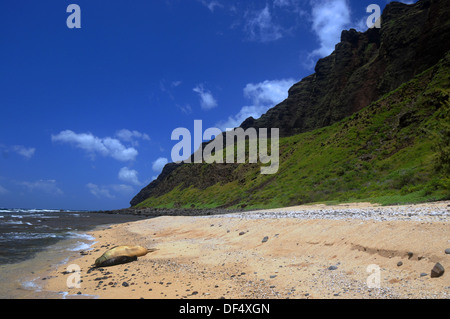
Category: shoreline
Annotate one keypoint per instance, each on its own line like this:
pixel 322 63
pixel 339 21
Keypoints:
pixel 258 255
pixel 25 278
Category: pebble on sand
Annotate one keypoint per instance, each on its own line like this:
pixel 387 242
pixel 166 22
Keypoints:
pixel 437 271
pixel 332 268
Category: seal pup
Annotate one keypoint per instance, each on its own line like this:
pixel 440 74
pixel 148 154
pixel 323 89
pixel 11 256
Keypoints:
pixel 121 255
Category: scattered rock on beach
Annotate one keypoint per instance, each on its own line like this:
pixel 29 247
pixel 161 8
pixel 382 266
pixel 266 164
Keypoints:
pixel 437 271
pixel 265 239
pixel 332 268
pixel 447 251
pixel 399 264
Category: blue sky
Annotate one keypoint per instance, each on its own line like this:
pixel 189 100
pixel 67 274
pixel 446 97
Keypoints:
pixel 87 114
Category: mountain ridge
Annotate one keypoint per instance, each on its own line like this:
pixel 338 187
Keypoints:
pixel 364 68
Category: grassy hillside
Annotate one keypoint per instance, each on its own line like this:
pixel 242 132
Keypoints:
pixel 393 151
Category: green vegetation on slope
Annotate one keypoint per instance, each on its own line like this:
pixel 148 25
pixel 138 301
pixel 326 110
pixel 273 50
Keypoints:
pixel 396 150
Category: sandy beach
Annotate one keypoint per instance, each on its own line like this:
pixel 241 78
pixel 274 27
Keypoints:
pixel 349 251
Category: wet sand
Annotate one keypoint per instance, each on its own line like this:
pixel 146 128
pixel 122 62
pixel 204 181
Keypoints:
pixel 260 255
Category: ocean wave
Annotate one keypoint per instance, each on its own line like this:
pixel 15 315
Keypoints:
pixel 28 211
pixel 31 285
pixel 85 243
pixel 79 246
pixel 28 236
pixel 12 222
pixel 81 236
pixel 45 216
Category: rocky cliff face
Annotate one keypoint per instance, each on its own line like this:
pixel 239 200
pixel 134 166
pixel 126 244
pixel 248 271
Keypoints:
pixel 362 69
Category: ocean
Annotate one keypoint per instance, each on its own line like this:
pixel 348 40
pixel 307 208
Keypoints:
pixel 25 232
pixel 35 241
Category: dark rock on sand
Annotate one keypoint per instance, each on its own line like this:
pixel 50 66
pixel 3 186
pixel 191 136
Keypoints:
pixel 332 268
pixel 265 239
pixel 437 271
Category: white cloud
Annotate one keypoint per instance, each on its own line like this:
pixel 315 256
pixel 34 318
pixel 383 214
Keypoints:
pixel 110 191
pixel 123 190
pixel 297 7
pixel 268 92
pixel 99 191
pixel 281 3
pixel 211 4
pixel 207 100
pixel 186 109
pixel 26 152
pixel 264 95
pixel 129 136
pixel 286 3
pixel 245 112
pixel 329 18
pixel 260 27
pixel 94 145
pixel 159 164
pixel 361 24
pixel 129 176
pixel 45 186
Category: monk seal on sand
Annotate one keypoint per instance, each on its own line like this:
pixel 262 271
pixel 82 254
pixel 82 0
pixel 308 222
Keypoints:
pixel 121 255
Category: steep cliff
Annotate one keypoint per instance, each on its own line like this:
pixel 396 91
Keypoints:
pixel 363 69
